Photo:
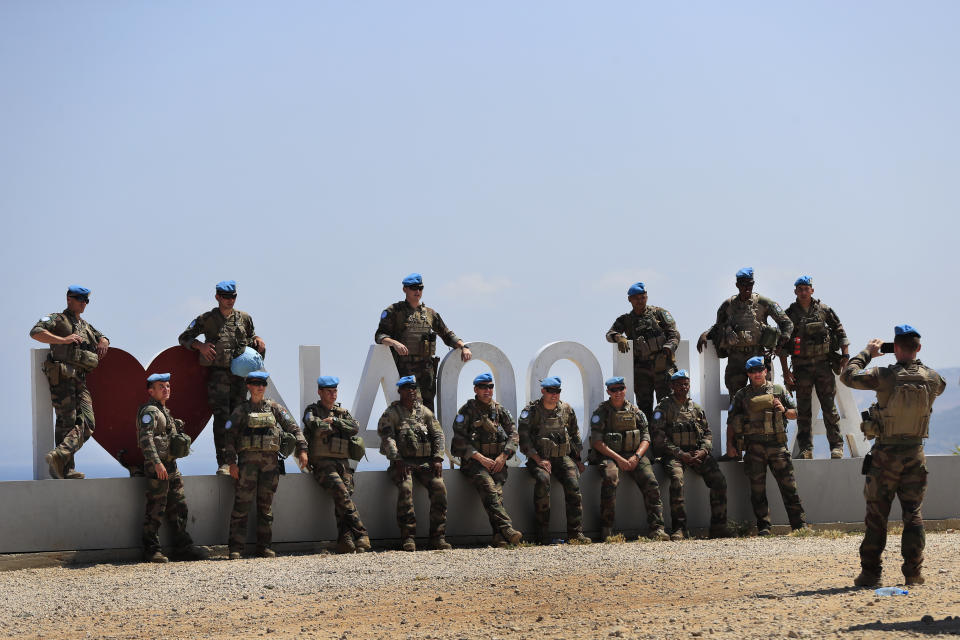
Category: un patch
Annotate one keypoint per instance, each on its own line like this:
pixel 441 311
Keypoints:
pixel 656 415
pixel 45 319
pixel 595 419
pixel 524 413
pixel 383 315
pixel 459 417
pixel 146 419
pixel 193 323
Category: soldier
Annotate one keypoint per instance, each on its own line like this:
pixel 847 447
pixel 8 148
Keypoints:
pixel 758 418
pixel 896 465
pixel 412 440
pixel 411 329
pixel 682 436
pixel 817 333
pixel 484 438
pixel 75 350
pixel 741 332
pixel 655 339
pixel 162 441
pixel 550 438
pixel 618 432
pixel 328 428
pixel 227 332
pixel 254 438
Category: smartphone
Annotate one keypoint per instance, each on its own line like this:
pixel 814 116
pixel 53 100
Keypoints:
pixel 886 347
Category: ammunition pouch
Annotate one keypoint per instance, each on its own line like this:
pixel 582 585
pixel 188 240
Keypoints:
pixel 764 420
pixel 180 445
pixel 685 435
pixel 769 337
pixel 547 448
pixel 623 441
pixel 257 441
pixel 413 443
pixel 491 449
pixel 355 448
pixel 326 444
pixel 647 348
pixel 288 444
pixel 869 422
pixel 82 357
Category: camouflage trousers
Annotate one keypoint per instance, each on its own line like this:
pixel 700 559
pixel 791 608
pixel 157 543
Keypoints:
pixel 646 381
pixel 422 369
pixel 649 488
pixel 259 476
pixel 75 421
pixel 490 487
pixel 336 477
pixel 816 374
pixel 225 392
pixel 901 471
pixel 165 499
pixel 756 459
pixel 436 490
pixel 709 470
pixel 565 470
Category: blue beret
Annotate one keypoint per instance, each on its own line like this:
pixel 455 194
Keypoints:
pixel 227 286
pixel 905 330
pixel 328 382
pixel 407 381
pixel 258 375
pixel 552 381
pixel 483 377
pixel 77 290
pixel 413 278
pixel 158 377
pixel 745 274
pixel 755 362
pixel 807 280
pixel 636 288
pixel 613 381
pixel 680 375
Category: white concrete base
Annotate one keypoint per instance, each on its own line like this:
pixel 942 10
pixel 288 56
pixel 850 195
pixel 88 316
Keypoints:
pixel 58 515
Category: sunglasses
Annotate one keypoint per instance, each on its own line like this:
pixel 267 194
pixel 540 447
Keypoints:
pixel 228 296
pixel 616 389
pixel 415 287
pixel 485 385
pixel 257 383
pixel 553 390
pixel 83 299
pixel 756 370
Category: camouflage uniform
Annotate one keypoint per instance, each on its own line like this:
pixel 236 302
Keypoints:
pixel 815 332
pixel 488 429
pixel 764 434
pixel 415 438
pixel 253 436
pixel 155 425
pixel 548 432
pixel 66 369
pixel 737 330
pixel 417 329
pixel 623 430
pixel 679 428
pixel 897 466
pixel 649 333
pixel 329 461
pixel 225 391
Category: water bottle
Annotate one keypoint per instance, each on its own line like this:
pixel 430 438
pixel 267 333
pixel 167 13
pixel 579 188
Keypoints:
pixel 891 591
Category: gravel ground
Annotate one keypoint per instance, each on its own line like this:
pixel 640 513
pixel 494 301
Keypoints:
pixel 785 586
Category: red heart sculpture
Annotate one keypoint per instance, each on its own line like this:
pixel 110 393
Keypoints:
pixel 118 387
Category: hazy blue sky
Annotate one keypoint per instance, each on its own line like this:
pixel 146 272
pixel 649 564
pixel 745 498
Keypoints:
pixel 532 160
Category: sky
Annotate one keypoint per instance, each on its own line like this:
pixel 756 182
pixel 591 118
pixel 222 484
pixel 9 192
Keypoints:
pixel 531 160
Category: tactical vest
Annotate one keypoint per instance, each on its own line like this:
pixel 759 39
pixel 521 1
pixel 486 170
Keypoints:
pixel 813 332
pixel 487 436
pixel 231 337
pixel 904 411
pixel 417 333
pixel 684 427
pixel 82 356
pixel 763 421
pixel 648 337
pixel 162 426
pixel 743 327
pixel 261 433
pixel 413 437
pixel 329 444
pixel 621 432
pixel 554 441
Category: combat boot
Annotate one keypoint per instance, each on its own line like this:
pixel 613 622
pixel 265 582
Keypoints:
pixel 721 531
pixel 679 534
pixel 235 555
pixel 914 579
pixel 73 474
pixel 867 579
pixel 155 556
pixel 438 543
pixel 189 553
pixel 362 543
pixel 577 537
pixel 346 544
pixel 498 542
pixel 266 552
pixel 57 461
pixel 659 535
pixel 605 532
pixel 804 454
pixel 836 452
pixel 764 533
pixel 511 535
